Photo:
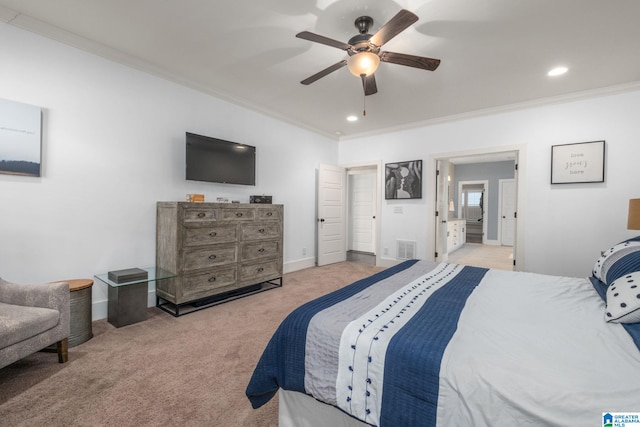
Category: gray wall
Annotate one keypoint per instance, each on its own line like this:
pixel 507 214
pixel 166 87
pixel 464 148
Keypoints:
pixel 492 172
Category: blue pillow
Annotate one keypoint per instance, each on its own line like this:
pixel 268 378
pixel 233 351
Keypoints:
pixel 622 259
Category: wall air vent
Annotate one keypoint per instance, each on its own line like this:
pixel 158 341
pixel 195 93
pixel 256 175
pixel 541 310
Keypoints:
pixel 406 249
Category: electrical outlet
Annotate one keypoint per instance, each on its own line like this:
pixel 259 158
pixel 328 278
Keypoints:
pixel 385 251
pixel 304 251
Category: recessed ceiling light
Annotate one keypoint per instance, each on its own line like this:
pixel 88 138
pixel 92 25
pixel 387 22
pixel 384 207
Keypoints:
pixel 558 71
pixel 352 118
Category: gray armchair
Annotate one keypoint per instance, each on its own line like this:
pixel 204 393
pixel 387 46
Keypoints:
pixel 33 317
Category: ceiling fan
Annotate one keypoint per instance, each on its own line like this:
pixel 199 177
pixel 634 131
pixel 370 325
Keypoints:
pixel 364 50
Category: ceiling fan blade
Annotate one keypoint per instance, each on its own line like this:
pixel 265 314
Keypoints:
pixel 306 35
pixel 410 60
pixel 369 85
pixel 324 72
pixel 395 26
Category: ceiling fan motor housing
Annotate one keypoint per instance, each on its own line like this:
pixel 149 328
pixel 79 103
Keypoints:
pixel 360 43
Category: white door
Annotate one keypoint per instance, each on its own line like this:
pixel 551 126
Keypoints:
pixel 507 211
pixel 331 215
pixel 362 210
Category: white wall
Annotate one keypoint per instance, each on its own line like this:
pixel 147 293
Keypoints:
pixel 113 145
pixel 565 226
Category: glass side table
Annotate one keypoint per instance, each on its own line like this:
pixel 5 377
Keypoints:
pixel 128 300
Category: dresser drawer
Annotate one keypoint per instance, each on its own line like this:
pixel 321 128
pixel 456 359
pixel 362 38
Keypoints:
pixel 269 213
pixel 211 256
pixel 198 236
pixel 208 283
pixel 244 214
pixel 265 230
pixel 257 271
pixel 268 248
pixel 200 214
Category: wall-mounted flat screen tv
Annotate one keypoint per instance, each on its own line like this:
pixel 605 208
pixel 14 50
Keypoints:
pixel 216 160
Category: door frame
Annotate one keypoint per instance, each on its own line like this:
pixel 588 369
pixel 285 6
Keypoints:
pixel 485 209
pixel 520 152
pixel 377 166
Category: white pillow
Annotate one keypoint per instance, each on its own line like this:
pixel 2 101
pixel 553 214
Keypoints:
pixel 623 299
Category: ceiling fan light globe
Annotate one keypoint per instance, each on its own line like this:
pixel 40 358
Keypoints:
pixel 363 63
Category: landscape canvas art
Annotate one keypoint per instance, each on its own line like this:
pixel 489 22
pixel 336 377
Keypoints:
pixel 20 138
pixel 403 180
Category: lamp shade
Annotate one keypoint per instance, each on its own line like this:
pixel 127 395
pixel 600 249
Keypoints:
pixel 363 63
pixel 633 223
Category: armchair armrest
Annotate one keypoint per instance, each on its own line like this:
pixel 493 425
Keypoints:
pixel 47 295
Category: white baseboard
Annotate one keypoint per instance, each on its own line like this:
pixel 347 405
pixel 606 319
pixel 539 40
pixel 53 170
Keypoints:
pixel 99 309
pixel 299 265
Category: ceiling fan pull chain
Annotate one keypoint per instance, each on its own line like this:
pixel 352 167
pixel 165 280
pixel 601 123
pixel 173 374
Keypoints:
pixel 364 106
pixel 364 96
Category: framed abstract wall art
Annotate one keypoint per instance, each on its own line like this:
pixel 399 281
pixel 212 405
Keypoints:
pixel 577 163
pixel 403 180
pixel 20 138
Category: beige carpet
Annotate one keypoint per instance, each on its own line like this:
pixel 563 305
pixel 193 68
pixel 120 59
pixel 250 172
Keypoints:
pixel 488 256
pixel 187 371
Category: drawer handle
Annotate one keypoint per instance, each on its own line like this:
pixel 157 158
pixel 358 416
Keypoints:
pixel 261 250
pixel 213 234
pixel 261 231
pixel 269 213
pixel 260 270
pixel 212 279
pixel 238 214
pixel 212 257
pixel 201 215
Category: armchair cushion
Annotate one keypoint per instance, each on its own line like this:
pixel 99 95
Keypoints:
pixel 32 317
pixel 17 323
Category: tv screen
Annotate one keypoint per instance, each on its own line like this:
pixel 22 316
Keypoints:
pixel 216 160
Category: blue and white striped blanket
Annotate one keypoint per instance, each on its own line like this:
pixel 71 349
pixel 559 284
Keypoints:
pixel 393 326
pixel 388 349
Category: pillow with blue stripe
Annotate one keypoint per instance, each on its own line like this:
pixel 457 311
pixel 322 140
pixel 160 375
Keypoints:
pixel 620 260
pixel 623 299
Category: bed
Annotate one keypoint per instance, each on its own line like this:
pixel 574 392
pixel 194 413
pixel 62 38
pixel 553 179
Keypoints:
pixel 438 344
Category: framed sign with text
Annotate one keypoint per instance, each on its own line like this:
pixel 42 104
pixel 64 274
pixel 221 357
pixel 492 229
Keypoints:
pixel 577 163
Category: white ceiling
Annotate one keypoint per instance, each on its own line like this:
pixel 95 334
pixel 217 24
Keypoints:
pixel 495 53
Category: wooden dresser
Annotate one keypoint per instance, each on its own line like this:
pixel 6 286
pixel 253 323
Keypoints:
pixel 217 250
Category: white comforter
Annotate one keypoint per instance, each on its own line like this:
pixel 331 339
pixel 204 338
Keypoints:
pixel 534 350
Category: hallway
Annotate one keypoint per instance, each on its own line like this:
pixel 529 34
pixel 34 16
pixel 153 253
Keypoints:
pixel 488 256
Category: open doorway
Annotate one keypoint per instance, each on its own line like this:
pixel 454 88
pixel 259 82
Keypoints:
pixel 362 201
pixel 348 212
pixel 471 209
pixel 468 199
